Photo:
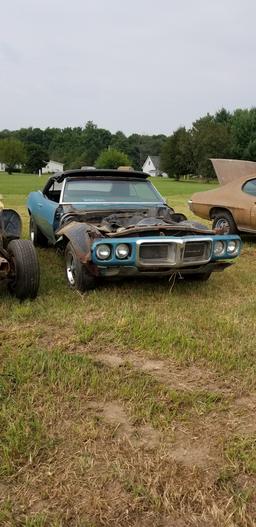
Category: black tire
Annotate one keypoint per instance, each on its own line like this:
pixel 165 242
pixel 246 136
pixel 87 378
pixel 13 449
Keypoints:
pixel 197 277
pixel 24 282
pixel 77 274
pixel 38 239
pixel 224 219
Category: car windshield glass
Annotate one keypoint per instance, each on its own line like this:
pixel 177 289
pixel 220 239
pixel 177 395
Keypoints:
pixel 109 191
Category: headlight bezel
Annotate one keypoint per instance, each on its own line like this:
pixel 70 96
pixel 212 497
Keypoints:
pixel 221 253
pixel 127 253
pixel 106 246
pixel 236 247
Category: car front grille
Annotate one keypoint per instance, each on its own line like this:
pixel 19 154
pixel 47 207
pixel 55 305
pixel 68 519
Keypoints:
pixel 175 253
pixel 196 251
pixel 154 251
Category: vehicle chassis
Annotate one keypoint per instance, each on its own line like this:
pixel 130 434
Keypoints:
pixel 19 266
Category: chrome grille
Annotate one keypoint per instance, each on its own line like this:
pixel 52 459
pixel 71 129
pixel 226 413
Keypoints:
pixel 154 252
pixel 196 251
pixel 178 252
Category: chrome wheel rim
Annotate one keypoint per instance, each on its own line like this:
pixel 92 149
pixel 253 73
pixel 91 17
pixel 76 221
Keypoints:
pixel 70 270
pixel 32 231
pixel 222 224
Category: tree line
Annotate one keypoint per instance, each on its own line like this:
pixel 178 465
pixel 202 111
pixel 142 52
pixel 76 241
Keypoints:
pixel 185 151
pixel 222 135
pixel 76 147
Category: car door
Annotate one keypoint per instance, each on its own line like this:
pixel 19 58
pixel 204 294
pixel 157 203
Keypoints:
pixel 44 210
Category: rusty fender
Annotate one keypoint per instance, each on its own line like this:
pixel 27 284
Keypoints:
pixel 78 235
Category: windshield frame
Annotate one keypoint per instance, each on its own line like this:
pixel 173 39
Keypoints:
pixel 161 200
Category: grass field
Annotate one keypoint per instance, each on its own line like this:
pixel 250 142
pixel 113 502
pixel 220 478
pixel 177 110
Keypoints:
pixel 133 405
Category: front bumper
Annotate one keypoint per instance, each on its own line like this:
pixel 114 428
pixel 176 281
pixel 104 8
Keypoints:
pixel 164 254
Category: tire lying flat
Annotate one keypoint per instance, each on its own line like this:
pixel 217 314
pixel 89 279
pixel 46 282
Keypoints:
pixel 25 269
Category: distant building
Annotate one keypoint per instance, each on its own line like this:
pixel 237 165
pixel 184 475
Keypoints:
pixel 152 166
pixel 52 167
pixel 4 167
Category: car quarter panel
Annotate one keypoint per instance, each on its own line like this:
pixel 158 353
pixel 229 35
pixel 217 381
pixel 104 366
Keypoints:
pixel 43 211
pixel 229 197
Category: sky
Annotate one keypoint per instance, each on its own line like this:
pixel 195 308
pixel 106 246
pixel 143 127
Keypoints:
pixel 140 66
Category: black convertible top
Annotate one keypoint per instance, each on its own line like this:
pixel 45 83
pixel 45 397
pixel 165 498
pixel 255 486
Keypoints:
pixel 100 173
pixel 96 173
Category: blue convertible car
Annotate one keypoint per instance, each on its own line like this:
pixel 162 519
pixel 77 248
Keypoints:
pixel 113 223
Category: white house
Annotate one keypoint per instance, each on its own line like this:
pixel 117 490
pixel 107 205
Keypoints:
pixel 52 167
pixel 3 166
pixel 152 166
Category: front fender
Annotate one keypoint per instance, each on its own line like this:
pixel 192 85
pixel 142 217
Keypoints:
pixel 77 234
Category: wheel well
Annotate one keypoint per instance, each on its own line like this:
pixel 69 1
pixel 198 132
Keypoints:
pixel 65 241
pixel 62 244
pixel 216 210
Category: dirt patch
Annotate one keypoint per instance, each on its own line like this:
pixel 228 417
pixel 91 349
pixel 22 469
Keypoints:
pixel 114 414
pixel 242 414
pixel 187 378
pixel 192 454
pixel 248 401
pixel 181 449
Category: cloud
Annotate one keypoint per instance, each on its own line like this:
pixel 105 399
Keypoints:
pixel 137 66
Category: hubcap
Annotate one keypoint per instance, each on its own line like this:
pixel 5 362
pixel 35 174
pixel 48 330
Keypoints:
pixel 223 224
pixel 70 269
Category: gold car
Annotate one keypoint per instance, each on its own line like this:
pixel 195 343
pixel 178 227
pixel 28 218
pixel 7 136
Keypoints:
pixel 231 206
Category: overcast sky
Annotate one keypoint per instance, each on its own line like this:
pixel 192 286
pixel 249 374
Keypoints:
pixel 145 66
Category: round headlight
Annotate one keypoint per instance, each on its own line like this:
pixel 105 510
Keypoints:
pixel 122 251
pixel 103 251
pixel 219 248
pixel 233 246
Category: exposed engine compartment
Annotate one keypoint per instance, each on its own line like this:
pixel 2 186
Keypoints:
pixel 143 222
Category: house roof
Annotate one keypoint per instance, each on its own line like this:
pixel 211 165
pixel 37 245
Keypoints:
pixel 56 162
pixel 155 160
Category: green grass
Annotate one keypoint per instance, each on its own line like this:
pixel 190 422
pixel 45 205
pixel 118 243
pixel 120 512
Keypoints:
pixel 62 461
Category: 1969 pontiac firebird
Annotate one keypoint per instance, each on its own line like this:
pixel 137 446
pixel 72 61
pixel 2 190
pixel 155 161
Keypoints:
pixel 113 223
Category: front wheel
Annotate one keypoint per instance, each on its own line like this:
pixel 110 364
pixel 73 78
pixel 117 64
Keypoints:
pixel 224 220
pixel 77 274
pixel 25 274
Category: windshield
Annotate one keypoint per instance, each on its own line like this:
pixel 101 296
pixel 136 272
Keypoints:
pixel 109 191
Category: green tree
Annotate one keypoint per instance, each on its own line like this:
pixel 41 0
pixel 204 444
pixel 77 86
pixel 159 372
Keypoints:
pixel 93 141
pixel 243 134
pixel 37 157
pixel 12 153
pixel 223 116
pixel 111 158
pixel 210 139
pixel 177 154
